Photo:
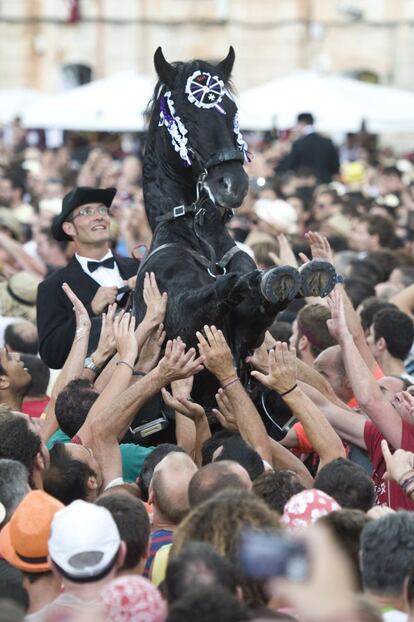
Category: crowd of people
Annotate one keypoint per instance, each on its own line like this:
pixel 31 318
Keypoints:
pixel 122 498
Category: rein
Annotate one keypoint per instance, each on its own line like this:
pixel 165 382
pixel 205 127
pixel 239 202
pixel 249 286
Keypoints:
pixel 198 211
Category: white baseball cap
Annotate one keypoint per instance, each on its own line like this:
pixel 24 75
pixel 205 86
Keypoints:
pixel 84 540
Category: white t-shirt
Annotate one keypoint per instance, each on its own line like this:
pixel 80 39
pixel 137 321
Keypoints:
pixel 394 615
pixel 63 608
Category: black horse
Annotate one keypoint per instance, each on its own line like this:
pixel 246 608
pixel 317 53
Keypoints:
pixel 193 178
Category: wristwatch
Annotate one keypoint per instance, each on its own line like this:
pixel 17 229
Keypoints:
pixel 89 364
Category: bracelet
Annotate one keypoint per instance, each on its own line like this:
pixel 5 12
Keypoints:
pixel 232 381
pixel 125 363
pixel 138 373
pixel 288 391
pixel 401 479
pixel 406 484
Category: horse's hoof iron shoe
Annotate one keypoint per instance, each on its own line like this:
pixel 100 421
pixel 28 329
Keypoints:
pixel 280 283
pixel 318 278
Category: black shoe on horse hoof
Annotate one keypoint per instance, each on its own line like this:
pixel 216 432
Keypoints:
pixel 318 278
pixel 280 283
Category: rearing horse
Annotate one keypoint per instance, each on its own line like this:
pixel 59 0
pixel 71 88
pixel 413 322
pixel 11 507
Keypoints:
pixel 193 178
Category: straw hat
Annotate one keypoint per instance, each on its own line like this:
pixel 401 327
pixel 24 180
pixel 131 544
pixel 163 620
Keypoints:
pixel 24 540
pixel 18 296
pixel 9 221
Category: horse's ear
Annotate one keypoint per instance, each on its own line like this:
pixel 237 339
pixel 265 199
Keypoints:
pixel 164 69
pixel 226 65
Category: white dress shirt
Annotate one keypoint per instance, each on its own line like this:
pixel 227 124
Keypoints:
pixel 106 277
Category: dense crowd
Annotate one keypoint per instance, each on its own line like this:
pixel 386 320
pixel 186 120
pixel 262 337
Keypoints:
pixel 121 497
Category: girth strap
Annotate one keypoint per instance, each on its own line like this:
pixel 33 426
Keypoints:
pixel 198 257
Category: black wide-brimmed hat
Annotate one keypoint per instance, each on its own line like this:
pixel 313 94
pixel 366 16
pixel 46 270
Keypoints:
pixel 76 197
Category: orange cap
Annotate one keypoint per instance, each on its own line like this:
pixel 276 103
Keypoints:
pixel 24 540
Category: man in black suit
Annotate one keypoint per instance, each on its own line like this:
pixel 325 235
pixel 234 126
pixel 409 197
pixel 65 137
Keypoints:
pixel 311 151
pixel 93 273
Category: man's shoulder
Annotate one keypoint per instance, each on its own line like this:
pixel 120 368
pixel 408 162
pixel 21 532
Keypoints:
pixel 315 138
pixel 59 276
pixel 127 261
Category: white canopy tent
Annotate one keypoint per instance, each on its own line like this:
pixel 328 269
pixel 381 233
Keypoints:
pixel 338 104
pixel 13 102
pixel 114 104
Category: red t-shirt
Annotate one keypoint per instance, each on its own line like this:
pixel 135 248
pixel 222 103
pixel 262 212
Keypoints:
pixel 388 493
pixel 35 408
pixel 304 445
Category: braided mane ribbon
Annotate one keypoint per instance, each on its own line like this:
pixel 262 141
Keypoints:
pixel 175 127
pixel 178 131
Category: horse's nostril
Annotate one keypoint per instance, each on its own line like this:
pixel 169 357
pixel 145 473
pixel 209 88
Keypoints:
pixel 225 183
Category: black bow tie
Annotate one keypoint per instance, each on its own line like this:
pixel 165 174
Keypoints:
pixel 107 263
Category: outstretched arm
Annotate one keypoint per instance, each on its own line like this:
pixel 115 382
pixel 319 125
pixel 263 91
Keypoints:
pixel 124 327
pixel 192 413
pixel 219 360
pixel 321 249
pixel 348 424
pixel 74 363
pixel 283 379
pixel 365 387
pixel 260 361
pixel 282 458
pixel 101 431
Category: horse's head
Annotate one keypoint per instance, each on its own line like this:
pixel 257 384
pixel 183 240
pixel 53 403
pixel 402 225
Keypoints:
pixel 200 121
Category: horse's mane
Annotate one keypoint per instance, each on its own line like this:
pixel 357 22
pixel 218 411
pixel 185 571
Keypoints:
pixel 183 71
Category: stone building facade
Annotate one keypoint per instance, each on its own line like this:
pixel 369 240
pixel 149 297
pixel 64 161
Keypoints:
pixel 271 37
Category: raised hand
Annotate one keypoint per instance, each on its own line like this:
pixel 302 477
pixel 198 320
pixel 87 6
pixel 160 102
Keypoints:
pixel 183 387
pixel 155 301
pixel 83 321
pixel 126 344
pixel 337 325
pixel 216 353
pixel 131 282
pixel 286 255
pixel 406 401
pixel 399 464
pixel 282 369
pixel 104 296
pixel 177 363
pixel 260 357
pixel 150 351
pixel 319 246
pixel 224 412
pixel 107 345
pixel 330 584
pixel 183 405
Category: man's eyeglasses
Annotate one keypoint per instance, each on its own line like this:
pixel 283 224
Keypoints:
pixel 102 210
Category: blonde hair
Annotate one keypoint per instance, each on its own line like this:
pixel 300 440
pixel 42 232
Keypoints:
pixel 220 521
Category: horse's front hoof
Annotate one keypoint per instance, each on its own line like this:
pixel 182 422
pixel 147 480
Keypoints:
pixel 280 284
pixel 318 278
